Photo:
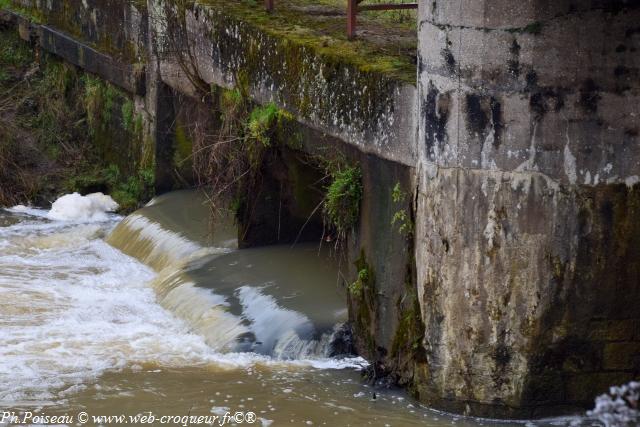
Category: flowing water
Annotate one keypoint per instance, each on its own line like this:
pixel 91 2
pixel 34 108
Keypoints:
pixel 160 314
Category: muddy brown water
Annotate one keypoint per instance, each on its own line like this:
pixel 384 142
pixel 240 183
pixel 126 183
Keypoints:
pixel 159 314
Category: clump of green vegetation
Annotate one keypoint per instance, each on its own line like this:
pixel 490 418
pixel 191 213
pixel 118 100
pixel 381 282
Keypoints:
pixel 268 122
pixel 404 223
pixel 397 195
pixel 261 123
pixel 229 160
pixel 230 100
pixel 364 283
pixel 342 204
pixel 401 217
pixel 130 191
pixel 357 288
pixel 362 301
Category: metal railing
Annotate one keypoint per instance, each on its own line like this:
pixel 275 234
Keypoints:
pixel 353 7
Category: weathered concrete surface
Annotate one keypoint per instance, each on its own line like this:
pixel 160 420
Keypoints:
pixel 526 243
pixel 129 77
pixel 114 27
pixel 191 46
pixel 206 44
pixel 383 250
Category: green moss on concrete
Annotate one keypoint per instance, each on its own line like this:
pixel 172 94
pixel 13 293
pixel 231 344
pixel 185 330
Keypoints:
pixel 182 149
pixel 532 28
pixel 71 17
pixel 329 84
pixel 362 304
pixel 128 118
pixel 407 341
pixel 325 37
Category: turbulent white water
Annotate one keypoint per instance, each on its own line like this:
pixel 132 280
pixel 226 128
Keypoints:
pixel 73 307
pixel 74 310
pixel 236 300
pixel 620 407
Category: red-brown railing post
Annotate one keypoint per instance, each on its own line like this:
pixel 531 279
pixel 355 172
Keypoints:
pixel 268 4
pixel 352 11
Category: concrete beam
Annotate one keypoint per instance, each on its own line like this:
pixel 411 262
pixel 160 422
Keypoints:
pixel 130 77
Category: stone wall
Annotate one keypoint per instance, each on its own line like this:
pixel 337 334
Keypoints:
pixel 526 237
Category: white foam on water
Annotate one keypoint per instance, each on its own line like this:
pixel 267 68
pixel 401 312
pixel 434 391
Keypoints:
pixel 286 334
pixel 620 407
pixel 73 307
pixel 70 312
pixel 28 210
pixel 74 207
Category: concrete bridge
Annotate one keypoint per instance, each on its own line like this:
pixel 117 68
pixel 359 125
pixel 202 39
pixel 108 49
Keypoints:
pixel 517 142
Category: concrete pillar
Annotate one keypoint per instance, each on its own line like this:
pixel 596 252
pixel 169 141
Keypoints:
pixel 527 232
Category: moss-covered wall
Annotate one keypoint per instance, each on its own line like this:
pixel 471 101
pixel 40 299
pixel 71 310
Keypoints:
pixel 115 27
pixel 383 303
pixel 355 98
pixel 87 135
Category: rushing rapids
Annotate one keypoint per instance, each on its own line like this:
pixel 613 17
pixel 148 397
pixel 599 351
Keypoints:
pixel 262 300
pixel 160 313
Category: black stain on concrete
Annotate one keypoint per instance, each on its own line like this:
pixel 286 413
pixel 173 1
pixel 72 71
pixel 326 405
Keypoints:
pixel 589 97
pixel 513 63
pixel 484 113
pixel 435 116
pixel 449 60
pixel 545 99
